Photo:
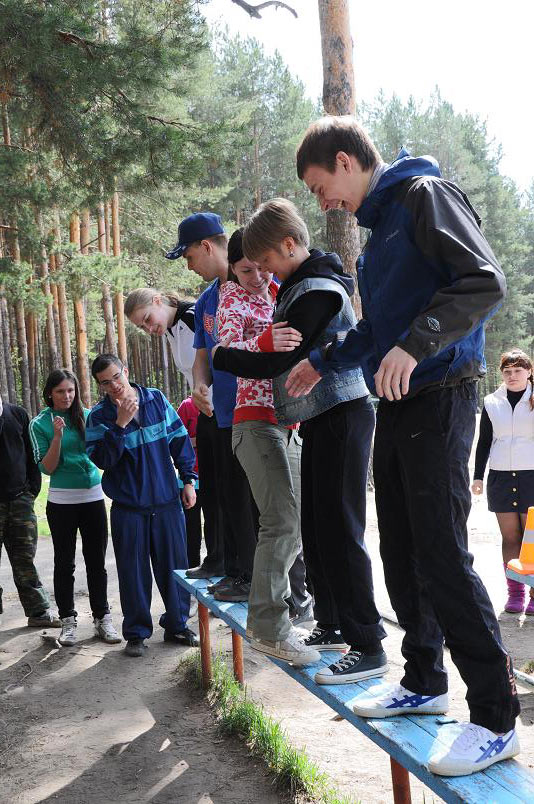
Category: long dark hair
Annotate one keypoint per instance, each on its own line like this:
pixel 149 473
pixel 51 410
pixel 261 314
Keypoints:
pixel 76 409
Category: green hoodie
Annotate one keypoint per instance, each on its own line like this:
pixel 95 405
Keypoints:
pixel 74 470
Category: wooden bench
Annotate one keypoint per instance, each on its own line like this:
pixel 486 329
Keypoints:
pixel 407 739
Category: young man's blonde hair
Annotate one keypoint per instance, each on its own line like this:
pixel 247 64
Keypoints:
pixel 270 224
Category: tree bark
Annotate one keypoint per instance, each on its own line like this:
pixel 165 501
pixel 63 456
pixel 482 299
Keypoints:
pixel 64 328
pixel 80 325
pixel 339 99
pixel 45 286
pixel 118 298
pixel 110 345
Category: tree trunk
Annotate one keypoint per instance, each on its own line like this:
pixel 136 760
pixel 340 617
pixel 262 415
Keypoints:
pixel 45 286
pixel 136 359
pixel 22 345
pixel 64 329
pixel 118 298
pixel 339 99
pixel 55 302
pixel 32 370
pixel 80 325
pixel 107 304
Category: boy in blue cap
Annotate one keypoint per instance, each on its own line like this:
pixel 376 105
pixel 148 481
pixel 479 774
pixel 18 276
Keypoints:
pixel 204 245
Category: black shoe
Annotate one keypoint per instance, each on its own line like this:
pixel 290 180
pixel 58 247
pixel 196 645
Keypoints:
pixel 354 666
pixel 185 637
pixel 238 592
pixel 326 639
pixel 214 587
pixel 199 573
pixel 135 647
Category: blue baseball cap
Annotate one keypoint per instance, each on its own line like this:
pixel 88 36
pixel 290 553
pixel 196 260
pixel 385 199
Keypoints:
pixel 194 228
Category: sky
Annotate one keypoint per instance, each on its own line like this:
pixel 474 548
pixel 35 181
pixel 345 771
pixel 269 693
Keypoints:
pixel 479 53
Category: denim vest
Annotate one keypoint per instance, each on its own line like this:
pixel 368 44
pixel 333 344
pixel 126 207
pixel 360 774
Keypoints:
pixel 334 388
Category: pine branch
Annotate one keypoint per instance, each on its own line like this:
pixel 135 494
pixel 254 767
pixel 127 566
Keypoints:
pixel 254 11
pixel 74 39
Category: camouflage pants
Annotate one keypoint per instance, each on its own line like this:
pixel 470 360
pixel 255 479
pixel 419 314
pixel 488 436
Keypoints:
pixel 18 533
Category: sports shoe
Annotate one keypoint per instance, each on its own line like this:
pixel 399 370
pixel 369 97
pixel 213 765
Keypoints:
pixel 105 630
pixel 530 608
pixel 44 620
pixel 201 572
pixel 473 749
pixel 68 631
pixel 135 647
pixel 236 593
pixel 326 639
pixel 185 637
pixel 291 649
pixel 394 699
pixel 353 666
pixel 211 588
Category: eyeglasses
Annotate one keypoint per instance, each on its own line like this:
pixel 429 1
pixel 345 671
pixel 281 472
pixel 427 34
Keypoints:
pixel 115 379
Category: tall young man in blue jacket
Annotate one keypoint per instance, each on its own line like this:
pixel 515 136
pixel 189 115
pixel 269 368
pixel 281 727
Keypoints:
pixel 428 280
pixel 137 438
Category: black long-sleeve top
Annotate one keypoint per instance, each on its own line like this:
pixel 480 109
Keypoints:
pixel 310 315
pixel 485 436
pixel 18 470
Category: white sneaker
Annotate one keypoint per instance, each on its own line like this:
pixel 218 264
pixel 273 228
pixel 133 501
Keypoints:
pixel 68 631
pixel 105 630
pixel 393 699
pixel 473 749
pixel 291 649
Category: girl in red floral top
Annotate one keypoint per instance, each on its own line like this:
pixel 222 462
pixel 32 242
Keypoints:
pixel 270 455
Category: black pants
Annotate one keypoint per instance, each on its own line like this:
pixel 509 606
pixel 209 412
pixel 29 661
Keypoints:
pixel 422 447
pixel 335 458
pixel 240 514
pixel 193 528
pixel 209 496
pixel 91 520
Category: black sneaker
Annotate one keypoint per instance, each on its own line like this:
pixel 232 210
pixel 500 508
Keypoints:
pixel 199 573
pixel 185 637
pixel 326 639
pixel 213 587
pixel 354 666
pixel 238 592
pixel 135 647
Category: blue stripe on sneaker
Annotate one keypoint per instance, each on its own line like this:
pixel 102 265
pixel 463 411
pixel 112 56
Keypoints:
pixel 494 747
pixel 410 701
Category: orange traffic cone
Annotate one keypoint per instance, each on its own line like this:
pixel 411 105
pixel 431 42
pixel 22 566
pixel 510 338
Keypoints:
pixel 524 565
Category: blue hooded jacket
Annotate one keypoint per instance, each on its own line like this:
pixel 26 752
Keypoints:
pixel 138 460
pixel 428 280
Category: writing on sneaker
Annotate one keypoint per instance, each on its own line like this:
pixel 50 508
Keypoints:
pixel 291 649
pixel 353 666
pixel 394 699
pixel 473 749
pixel 326 639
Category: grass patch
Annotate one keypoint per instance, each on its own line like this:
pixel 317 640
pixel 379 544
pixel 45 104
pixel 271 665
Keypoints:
pixel 239 715
pixel 40 508
pixel 528 667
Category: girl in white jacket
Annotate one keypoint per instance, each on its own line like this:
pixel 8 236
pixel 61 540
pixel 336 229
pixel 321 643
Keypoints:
pixel 507 438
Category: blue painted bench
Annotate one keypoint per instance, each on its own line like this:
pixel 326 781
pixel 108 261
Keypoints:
pixel 408 739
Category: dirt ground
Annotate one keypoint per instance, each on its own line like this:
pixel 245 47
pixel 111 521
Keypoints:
pixel 88 724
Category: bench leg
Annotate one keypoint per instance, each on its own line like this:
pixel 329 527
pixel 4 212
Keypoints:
pixel 400 779
pixel 237 651
pixel 205 646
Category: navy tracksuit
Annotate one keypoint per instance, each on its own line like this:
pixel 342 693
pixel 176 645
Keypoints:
pixel 147 520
